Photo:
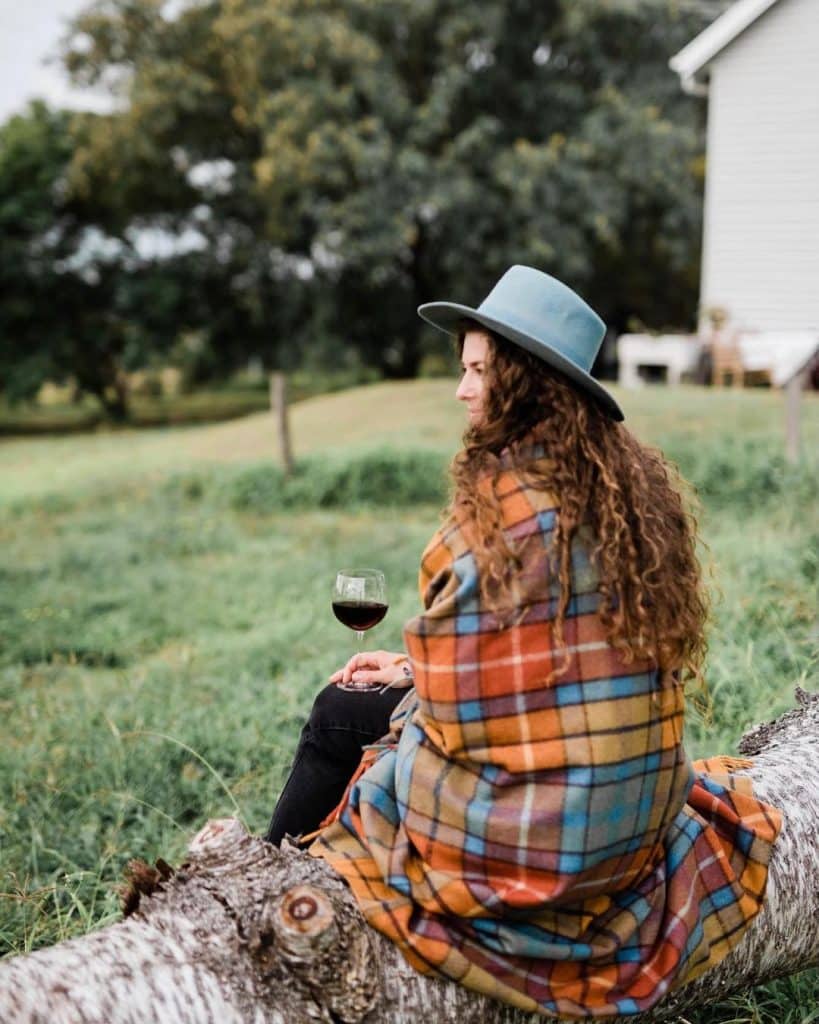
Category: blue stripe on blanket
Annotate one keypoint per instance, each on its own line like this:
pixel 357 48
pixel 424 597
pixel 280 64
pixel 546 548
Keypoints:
pixel 604 689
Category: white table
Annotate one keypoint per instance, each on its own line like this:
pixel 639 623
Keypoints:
pixel 782 353
pixel 678 353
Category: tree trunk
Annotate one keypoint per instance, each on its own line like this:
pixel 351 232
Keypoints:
pixel 103 378
pixel 243 932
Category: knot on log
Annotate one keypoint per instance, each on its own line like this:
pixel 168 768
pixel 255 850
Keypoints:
pixel 304 922
pixel 326 945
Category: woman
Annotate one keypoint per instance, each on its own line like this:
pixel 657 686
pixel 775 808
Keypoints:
pixel 531 826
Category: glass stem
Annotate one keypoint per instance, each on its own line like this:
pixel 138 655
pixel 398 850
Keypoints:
pixel 360 634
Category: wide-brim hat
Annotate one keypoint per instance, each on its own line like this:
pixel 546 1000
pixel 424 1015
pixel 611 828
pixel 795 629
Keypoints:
pixel 542 315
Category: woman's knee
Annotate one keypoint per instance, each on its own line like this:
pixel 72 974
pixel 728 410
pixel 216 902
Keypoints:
pixel 362 713
pixel 337 708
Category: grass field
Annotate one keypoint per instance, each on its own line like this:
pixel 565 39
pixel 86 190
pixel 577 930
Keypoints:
pixel 165 622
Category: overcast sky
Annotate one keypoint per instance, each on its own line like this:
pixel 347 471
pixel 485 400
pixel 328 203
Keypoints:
pixel 29 32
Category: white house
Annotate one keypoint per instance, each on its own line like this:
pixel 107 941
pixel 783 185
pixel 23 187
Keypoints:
pixel 758 65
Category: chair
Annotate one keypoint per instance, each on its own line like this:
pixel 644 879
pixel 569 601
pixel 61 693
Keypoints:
pixel 726 358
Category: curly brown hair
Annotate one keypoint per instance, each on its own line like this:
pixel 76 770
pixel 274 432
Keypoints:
pixel 653 601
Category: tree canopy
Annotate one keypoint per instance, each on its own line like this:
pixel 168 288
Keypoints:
pixel 291 178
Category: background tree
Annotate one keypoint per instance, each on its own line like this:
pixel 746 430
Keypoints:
pixel 74 302
pixel 316 169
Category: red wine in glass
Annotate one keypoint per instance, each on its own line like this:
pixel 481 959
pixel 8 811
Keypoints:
pixel 360 602
pixel 359 615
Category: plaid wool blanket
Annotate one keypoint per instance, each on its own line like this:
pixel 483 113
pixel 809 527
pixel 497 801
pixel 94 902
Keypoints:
pixel 549 845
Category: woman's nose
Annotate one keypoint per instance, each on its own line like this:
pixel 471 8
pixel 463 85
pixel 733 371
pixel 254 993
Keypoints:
pixel 462 392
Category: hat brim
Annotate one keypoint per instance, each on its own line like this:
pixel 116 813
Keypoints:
pixel 445 315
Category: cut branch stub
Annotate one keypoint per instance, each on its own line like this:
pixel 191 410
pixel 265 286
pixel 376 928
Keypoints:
pixel 330 952
pixel 304 922
pixel 216 838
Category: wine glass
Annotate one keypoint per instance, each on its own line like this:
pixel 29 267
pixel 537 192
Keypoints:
pixel 360 602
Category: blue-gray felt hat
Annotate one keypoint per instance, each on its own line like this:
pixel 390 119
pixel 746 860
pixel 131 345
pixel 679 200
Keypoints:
pixel 542 315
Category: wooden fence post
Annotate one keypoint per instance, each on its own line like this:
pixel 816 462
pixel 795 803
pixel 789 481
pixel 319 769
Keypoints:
pixel 793 399
pixel 278 407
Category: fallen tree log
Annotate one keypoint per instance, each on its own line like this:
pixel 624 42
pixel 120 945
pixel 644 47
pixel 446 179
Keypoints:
pixel 245 933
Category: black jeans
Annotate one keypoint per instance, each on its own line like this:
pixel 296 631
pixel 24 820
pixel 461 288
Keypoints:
pixel 329 750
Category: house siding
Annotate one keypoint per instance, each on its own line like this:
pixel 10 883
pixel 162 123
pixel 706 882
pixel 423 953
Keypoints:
pixel 761 234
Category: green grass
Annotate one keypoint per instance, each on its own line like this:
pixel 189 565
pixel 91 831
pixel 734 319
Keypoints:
pixel 165 622
pixel 415 414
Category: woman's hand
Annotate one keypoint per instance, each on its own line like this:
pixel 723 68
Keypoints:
pixel 375 668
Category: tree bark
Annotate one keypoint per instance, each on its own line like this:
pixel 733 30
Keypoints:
pixel 111 391
pixel 243 932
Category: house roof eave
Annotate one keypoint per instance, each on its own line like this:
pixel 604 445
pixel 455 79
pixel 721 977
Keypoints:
pixel 691 61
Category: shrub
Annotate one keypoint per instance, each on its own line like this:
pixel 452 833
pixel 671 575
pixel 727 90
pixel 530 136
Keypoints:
pixel 742 470
pixel 378 478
